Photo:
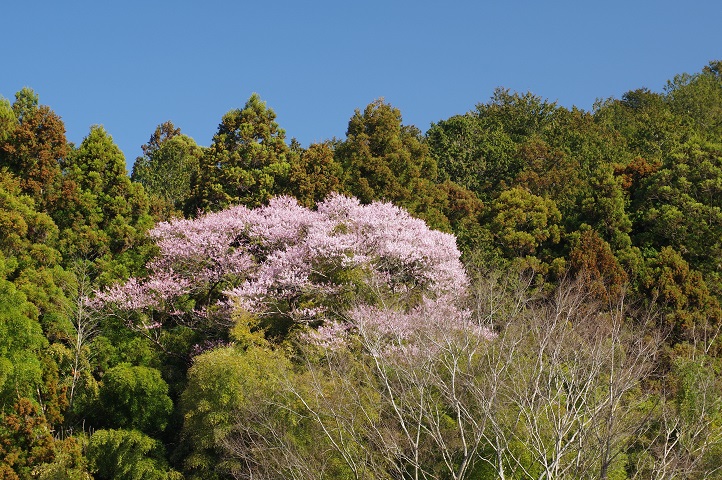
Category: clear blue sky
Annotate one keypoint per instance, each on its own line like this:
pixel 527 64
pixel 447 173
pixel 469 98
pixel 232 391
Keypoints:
pixel 130 65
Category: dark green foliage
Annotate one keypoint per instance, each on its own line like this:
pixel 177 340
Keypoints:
pixel 104 216
pixel 246 164
pixel 645 121
pixel 315 173
pixel 680 205
pixel 383 159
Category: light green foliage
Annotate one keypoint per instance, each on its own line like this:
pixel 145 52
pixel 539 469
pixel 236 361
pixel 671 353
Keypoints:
pixel 246 164
pixel 128 455
pixel 684 438
pixel 26 102
pixel 28 235
pixel 697 100
pixel 21 341
pixel 226 388
pixel 7 119
pixel 134 397
pixel 699 404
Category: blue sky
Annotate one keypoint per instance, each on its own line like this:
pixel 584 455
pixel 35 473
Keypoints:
pixel 132 65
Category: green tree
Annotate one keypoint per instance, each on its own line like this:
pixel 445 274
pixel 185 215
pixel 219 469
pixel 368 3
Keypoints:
pixel 134 397
pixel 128 455
pixel 522 222
pixel 383 159
pixel 247 162
pixel 226 385
pixel 35 149
pixel 697 100
pixel 170 160
pixel 7 119
pixel 690 312
pixel 464 211
pixel 472 153
pixel 680 206
pixel 644 120
pixel 106 216
pixel 21 342
pixel 604 208
pixel 26 103
pixel 315 174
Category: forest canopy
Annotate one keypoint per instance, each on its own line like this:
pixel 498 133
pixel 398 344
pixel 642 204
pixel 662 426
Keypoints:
pixel 523 291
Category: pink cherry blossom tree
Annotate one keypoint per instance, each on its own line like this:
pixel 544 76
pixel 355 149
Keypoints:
pixel 284 261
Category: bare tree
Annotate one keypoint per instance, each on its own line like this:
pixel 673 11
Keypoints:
pixel 85 326
pixel 554 392
pixel 572 399
pixel 687 440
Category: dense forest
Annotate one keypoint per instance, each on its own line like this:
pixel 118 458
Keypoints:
pixel 521 292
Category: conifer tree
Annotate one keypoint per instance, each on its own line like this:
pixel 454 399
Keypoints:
pixel 246 164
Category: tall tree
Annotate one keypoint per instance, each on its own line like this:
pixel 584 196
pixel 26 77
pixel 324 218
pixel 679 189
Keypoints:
pixel 386 160
pixel 697 99
pixel 247 162
pixel 108 214
pixel 35 149
pixel 170 160
pixel 645 121
pixel 7 119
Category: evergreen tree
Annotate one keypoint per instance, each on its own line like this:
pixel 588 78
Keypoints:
pixel 107 215
pixel 34 149
pixel 385 160
pixel 246 164
pixel 170 160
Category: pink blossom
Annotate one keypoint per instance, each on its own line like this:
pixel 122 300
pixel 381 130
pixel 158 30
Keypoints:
pixel 285 259
pixel 330 335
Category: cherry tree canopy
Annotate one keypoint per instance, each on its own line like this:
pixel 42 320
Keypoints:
pixel 286 260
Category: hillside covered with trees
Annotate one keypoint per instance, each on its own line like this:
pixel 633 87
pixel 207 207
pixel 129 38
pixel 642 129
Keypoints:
pixel 521 292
